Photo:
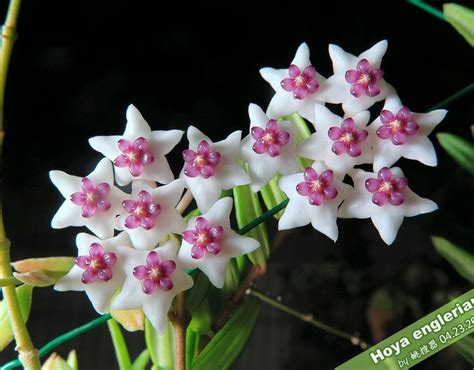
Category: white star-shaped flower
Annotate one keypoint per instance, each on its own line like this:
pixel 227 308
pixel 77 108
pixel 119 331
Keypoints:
pixel 296 88
pixel 398 132
pixel 386 199
pixel 357 82
pixel 150 214
pixel 314 198
pixel 98 269
pixel 152 281
pixel 92 201
pixel 270 148
pixel 139 154
pixel 340 142
pixel 211 167
pixel 209 242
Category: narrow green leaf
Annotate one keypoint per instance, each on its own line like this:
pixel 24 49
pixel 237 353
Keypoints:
pixel 24 295
pixel 465 347
pixel 120 347
pixel 198 292
pixel 460 149
pixel 460 259
pixel 194 213
pixel 248 208
pixel 141 361
pixel 232 277
pixel 160 347
pixel 226 346
pixel 192 344
pixel 151 342
pixel 72 360
pixel 462 19
pixel 272 195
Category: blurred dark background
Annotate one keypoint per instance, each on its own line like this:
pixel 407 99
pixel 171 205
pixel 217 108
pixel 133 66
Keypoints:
pixel 77 65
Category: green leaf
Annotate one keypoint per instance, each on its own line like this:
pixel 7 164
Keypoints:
pixel 24 295
pixel 120 347
pixel 272 195
pixel 232 277
pixel 192 345
pixel 226 346
pixel 160 347
pixel 460 259
pixel 141 361
pixel 465 347
pixel 462 19
pixel 72 360
pixel 198 292
pixel 247 209
pixel 460 149
pixel 194 213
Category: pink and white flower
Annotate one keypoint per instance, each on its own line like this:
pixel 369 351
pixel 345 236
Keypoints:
pixel 209 242
pixel 315 196
pixel 139 154
pixel 399 132
pixel 386 198
pixel 98 269
pixel 357 82
pixel 296 88
pixel 153 279
pixel 269 149
pixel 150 214
pixel 211 167
pixel 92 201
pixel 340 142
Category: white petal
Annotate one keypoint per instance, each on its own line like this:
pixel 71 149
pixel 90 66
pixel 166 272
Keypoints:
pixel 215 268
pixel 170 194
pixel 218 214
pixel 231 176
pixel 144 239
pixel 415 205
pixel 71 281
pixel 205 191
pixel 261 172
pixel 283 103
pixel 228 148
pixel 257 116
pixel 68 214
pixel 341 60
pixel 156 311
pixel 100 294
pixel 195 136
pixel 301 58
pixel 136 124
pixel 375 54
pixel 428 121
pixel 324 118
pixel 352 105
pixel 387 223
pixel 66 184
pixel 102 173
pixel 163 142
pixel 236 245
pixel 420 149
pixel 294 216
pixel 274 76
pixel 107 145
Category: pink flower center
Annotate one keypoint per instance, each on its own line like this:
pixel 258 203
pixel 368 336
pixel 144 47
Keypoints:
pixel 204 238
pixel 92 198
pixel 143 211
pixel 347 138
pixel 300 83
pixel 155 273
pixel 397 127
pixel 97 265
pixel 364 79
pixel 202 162
pixel 269 140
pixel 317 188
pixel 386 188
pixel 134 155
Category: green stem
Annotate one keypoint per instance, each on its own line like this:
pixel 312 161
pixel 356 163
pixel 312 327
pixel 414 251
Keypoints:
pixel 428 8
pixel 308 318
pixel 63 338
pixel 9 281
pixel 120 347
pixel 265 216
pixel 458 95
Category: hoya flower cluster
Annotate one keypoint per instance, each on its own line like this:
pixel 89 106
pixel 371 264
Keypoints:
pixel 134 258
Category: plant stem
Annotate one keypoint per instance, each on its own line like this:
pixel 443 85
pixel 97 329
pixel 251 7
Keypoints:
pixel 309 318
pixel 180 323
pixel 428 8
pixel 262 218
pixel 63 338
pixel 120 347
pixel 184 202
pixel 457 95
pixel 27 353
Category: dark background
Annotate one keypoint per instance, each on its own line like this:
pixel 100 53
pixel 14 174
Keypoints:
pixel 77 65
